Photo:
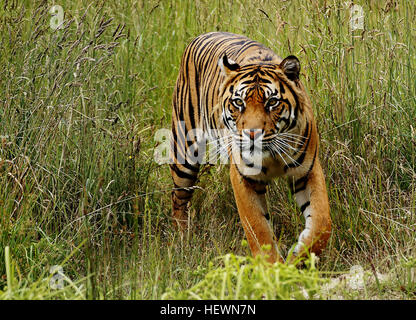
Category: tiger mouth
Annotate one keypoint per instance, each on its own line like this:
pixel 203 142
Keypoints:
pixel 252 146
pixel 253 153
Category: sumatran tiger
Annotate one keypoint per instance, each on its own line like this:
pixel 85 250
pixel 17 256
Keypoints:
pixel 239 93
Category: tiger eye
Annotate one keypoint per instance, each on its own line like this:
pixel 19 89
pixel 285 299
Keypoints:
pixel 272 102
pixel 238 102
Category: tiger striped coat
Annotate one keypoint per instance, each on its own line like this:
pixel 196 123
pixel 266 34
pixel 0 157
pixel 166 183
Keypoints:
pixel 238 93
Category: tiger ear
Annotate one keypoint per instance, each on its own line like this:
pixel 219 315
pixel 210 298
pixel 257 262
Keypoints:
pixel 227 65
pixel 291 67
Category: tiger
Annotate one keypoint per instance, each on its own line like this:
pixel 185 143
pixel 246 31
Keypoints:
pixel 250 101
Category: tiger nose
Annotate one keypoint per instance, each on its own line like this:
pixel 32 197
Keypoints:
pixel 254 134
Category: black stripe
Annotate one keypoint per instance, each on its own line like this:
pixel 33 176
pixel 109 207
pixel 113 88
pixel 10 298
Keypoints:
pixel 182 174
pixel 188 166
pixel 301 158
pixel 179 188
pixel 187 197
pixel 291 90
pixel 292 124
pixel 261 191
pixel 252 181
pixel 249 180
pixel 303 186
pixel 313 161
pixel 249 43
pixel 301 183
pixel 304 137
pixel 179 205
pixel 282 88
pixel 304 206
pixel 191 111
pixel 298 185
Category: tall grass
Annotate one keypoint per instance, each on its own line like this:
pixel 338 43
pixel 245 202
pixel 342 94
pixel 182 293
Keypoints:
pixel 79 107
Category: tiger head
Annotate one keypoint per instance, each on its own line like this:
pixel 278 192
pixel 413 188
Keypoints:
pixel 260 104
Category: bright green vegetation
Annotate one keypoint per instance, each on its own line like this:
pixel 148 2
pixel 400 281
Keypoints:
pixel 79 107
pixel 251 279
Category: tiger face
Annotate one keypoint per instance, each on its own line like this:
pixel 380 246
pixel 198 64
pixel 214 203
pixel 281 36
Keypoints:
pixel 260 108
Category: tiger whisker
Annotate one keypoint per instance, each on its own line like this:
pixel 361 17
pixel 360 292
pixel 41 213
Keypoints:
pixel 221 149
pixel 218 140
pixel 292 134
pixel 293 137
pixel 277 151
pixel 290 137
pixel 286 144
pixel 295 161
pixel 282 149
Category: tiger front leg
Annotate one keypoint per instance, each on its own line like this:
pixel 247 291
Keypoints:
pixel 311 196
pixel 251 204
pixel 184 180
